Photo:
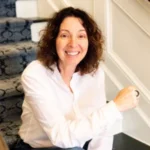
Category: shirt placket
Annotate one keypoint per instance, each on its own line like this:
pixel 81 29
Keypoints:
pixel 76 108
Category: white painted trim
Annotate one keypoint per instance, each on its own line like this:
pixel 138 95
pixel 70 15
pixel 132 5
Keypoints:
pixel 67 4
pixel 138 139
pixel 94 11
pixel 26 9
pixel 37 30
pixel 114 57
pixel 130 75
pixel 143 116
pixel 112 77
pixel 53 5
pixel 117 83
pixel 129 126
pixel 108 22
pixel 145 4
pixel 132 18
pixel 120 86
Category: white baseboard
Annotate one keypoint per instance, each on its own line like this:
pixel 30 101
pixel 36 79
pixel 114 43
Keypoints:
pixel 26 8
pixel 37 30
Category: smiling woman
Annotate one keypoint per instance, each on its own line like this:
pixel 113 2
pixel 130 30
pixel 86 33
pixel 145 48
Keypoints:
pixel 65 22
pixel 65 104
pixel 71 45
pixel 71 42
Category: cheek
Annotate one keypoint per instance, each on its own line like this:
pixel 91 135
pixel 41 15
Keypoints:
pixel 58 46
pixel 85 45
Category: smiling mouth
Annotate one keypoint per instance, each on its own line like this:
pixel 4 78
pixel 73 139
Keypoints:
pixel 72 53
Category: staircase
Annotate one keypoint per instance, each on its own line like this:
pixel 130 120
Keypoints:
pixel 16 51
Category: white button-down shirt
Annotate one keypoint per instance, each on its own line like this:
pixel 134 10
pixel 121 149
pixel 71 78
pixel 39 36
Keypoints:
pixel 55 116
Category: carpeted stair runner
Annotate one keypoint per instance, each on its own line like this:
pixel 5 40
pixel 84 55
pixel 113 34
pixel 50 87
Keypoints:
pixel 10 111
pixel 16 29
pixel 7 8
pixel 14 57
pixel 16 52
pixel 10 87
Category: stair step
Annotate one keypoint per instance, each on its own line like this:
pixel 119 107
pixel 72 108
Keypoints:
pixel 10 87
pixel 10 107
pixel 7 8
pixel 9 129
pixel 14 57
pixel 14 29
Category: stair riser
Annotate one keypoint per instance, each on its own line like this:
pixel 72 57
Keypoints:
pixel 13 59
pixel 10 87
pixel 23 5
pixel 7 10
pixel 10 106
pixel 13 33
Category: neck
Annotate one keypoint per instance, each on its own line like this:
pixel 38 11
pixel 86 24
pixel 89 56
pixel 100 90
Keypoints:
pixel 66 72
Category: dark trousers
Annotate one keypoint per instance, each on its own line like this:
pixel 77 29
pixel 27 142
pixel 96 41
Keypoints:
pixel 20 145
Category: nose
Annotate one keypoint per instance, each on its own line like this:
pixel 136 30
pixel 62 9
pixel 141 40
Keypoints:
pixel 73 42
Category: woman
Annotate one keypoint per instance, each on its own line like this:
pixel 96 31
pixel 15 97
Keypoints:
pixel 65 104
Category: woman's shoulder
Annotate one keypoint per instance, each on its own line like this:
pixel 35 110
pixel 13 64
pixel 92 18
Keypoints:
pixel 100 71
pixel 34 68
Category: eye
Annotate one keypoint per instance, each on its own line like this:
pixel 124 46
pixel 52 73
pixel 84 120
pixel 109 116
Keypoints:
pixel 64 35
pixel 82 36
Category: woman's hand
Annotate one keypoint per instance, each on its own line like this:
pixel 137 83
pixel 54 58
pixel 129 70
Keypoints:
pixel 126 99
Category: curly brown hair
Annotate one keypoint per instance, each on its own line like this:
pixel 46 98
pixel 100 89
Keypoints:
pixel 47 46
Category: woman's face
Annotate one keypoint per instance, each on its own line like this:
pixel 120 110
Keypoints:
pixel 71 42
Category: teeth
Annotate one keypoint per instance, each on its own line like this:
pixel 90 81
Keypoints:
pixel 72 53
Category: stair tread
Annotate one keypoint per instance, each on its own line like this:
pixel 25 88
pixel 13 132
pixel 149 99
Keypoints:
pixel 125 142
pixel 14 20
pixel 18 48
pixel 10 86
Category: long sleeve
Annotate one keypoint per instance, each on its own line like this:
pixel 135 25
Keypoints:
pixel 61 131
pixel 104 141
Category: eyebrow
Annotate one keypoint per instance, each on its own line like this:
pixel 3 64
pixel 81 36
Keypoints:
pixel 68 30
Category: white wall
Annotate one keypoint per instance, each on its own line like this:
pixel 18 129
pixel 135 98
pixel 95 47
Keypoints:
pixel 128 53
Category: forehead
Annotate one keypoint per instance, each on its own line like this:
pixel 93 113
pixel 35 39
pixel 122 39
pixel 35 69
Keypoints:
pixel 72 23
